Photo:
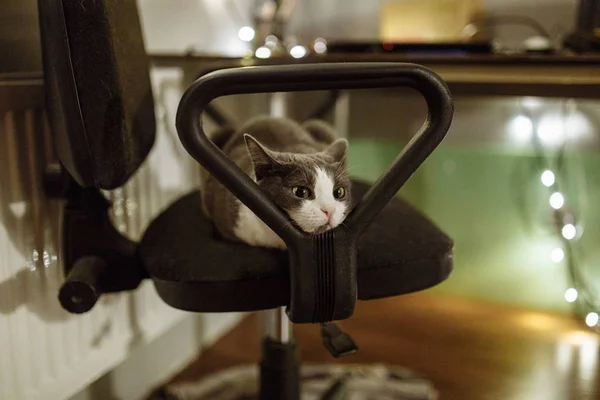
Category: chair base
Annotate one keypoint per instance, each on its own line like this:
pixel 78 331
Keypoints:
pixel 363 382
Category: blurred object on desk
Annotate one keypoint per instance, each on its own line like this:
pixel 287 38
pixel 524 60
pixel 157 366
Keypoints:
pixel 270 25
pixel 424 27
pixel 588 17
pixel 459 23
pixel 586 38
pixel 429 21
pixel 536 40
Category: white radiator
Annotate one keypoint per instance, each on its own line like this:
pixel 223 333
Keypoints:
pixel 46 353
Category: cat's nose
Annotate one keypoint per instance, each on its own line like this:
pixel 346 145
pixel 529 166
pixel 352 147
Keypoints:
pixel 328 212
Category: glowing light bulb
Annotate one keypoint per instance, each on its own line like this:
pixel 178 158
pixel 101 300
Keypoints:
pixel 579 127
pixel 320 45
pixel 569 231
pixel 548 178
pixel 571 295
pixel 521 128
pixel 271 41
pixel 246 33
pixel 557 255
pixel 551 130
pixel 262 52
pixel 557 200
pixel 298 51
pixel 469 30
pixel 591 319
pixel 532 103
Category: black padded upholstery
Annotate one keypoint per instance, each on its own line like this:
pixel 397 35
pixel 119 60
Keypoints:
pixel 194 270
pixel 98 89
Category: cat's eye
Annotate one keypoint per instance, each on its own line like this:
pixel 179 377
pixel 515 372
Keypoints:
pixel 301 191
pixel 339 193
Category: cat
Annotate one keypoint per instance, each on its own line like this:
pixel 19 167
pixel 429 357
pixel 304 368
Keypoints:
pixel 301 168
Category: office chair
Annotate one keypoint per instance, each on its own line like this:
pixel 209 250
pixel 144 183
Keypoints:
pixel 100 108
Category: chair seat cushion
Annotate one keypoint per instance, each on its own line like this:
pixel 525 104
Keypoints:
pixel 194 270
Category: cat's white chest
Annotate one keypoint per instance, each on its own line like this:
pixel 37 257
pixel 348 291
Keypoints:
pixel 252 230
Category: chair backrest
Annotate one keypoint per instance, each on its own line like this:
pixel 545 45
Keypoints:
pixel 98 90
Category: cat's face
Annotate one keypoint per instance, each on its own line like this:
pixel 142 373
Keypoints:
pixel 313 189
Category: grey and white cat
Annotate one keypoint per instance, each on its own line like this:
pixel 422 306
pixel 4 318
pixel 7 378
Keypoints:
pixel 301 168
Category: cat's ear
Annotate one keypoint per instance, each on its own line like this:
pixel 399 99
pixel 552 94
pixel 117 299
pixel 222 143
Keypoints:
pixel 337 150
pixel 262 158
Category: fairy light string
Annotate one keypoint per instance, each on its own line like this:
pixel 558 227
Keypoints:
pixel 565 224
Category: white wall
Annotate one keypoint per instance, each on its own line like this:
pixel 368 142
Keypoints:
pixel 212 26
pixel 183 25
pixel 359 20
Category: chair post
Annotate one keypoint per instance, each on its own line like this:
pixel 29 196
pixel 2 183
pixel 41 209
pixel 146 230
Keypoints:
pixel 275 325
pixel 279 365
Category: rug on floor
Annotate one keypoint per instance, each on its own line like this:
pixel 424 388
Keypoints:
pixel 363 382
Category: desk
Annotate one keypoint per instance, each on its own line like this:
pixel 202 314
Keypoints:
pixel 566 76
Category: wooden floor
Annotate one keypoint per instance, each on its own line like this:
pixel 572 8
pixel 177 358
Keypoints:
pixel 471 350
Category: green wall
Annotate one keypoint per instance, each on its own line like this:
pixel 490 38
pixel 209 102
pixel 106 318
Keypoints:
pixel 492 204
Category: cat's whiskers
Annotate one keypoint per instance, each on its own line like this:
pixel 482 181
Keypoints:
pixel 350 168
pixel 341 167
pixel 287 224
